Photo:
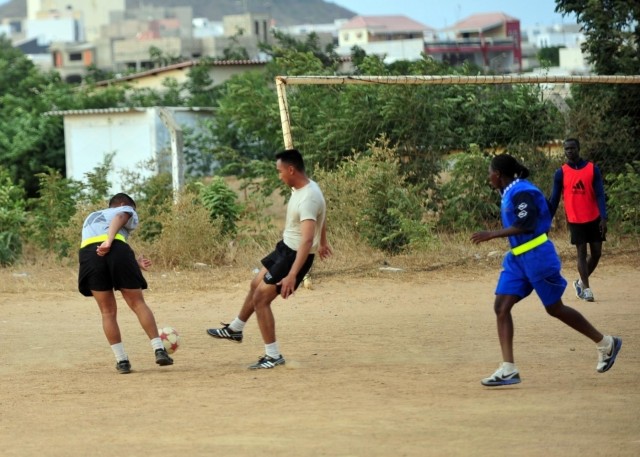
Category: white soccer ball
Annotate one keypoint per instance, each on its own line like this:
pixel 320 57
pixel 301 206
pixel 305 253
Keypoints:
pixel 170 338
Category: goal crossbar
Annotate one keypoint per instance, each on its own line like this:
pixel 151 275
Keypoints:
pixel 459 79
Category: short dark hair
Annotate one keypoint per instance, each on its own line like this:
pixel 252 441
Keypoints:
pixel 119 199
pixel 574 140
pixel 291 157
pixel 507 165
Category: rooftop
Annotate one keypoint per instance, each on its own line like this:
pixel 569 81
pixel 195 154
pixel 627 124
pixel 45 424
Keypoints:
pixel 386 24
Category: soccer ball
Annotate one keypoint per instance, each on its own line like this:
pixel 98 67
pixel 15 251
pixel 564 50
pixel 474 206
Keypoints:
pixel 170 338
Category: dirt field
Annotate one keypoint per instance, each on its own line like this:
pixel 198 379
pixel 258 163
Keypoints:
pixel 387 364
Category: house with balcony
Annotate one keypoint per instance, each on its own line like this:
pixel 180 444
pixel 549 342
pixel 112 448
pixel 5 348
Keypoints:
pixel 390 37
pixel 491 41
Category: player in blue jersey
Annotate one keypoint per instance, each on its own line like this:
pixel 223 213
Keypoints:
pixel 107 263
pixel 531 264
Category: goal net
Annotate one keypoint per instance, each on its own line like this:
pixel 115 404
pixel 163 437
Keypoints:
pixel 328 117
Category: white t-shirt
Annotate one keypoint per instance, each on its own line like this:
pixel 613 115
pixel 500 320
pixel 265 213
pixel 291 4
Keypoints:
pixel 97 223
pixel 306 203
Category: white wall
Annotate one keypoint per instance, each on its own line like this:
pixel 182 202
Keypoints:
pixel 136 137
pixel 392 50
pixel 50 30
pixel 94 13
pixel 573 59
pixel 90 137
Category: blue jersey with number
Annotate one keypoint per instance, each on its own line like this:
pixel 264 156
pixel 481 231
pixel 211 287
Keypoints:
pixel 524 205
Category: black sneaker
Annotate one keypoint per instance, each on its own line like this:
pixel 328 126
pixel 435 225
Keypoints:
pixel 266 362
pixel 225 333
pixel 123 367
pixel 162 358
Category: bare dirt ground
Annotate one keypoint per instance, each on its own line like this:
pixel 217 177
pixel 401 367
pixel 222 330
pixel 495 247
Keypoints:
pixel 379 364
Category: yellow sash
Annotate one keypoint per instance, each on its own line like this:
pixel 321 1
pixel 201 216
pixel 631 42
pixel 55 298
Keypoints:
pixel 100 239
pixel 529 245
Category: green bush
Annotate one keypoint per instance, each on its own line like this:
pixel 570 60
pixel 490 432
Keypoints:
pixel 222 203
pixel 369 197
pixel 466 200
pixel 52 210
pixel 12 218
pixel 153 196
pixel 189 235
pixel 623 191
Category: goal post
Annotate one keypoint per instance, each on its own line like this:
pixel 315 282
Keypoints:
pixel 283 81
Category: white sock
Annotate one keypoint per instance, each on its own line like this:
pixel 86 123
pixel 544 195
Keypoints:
pixel 508 367
pixel 272 350
pixel 156 343
pixel 606 342
pixel 237 325
pixel 118 351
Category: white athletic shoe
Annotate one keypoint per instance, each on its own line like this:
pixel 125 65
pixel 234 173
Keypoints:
pixel 587 295
pixel 607 355
pixel 500 378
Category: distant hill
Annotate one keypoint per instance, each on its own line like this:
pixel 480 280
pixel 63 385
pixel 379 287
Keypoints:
pixel 285 12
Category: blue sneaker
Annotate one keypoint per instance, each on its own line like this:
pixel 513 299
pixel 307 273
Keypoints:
pixel 500 378
pixel 606 356
pixel 577 285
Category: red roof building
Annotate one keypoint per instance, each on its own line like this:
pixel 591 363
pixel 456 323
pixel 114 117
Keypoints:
pixel 489 40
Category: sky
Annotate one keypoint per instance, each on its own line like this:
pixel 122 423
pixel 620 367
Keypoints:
pixel 443 13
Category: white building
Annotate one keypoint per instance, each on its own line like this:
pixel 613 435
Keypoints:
pixel 60 29
pixel 392 37
pixel 305 29
pixel 140 139
pixel 574 61
pixel 567 35
pixel 92 14
pixel 203 27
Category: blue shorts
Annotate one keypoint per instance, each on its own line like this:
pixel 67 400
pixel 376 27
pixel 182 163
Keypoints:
pixel 549 289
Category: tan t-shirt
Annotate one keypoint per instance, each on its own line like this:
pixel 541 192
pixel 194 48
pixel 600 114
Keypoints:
pixel 306 203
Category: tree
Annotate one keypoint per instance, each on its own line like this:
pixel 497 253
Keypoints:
pixel 235 51
pixel 31 141
pixel 611 31
pixel 550 56
pixel 200 86
pixel 607 117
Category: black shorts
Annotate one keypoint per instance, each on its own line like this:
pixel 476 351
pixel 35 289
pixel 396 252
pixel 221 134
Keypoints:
pixel 279 263
pixel 588 232
pixel 117 270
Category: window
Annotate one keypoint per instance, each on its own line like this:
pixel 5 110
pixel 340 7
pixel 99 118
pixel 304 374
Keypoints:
pixel 75 56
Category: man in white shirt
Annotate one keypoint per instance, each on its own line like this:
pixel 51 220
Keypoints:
pixel 305 234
